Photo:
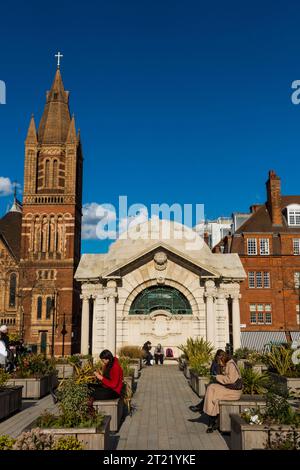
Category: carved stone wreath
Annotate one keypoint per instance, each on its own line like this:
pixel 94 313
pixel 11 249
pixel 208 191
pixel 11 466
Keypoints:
pixel 160 260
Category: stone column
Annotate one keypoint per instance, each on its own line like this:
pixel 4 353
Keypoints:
pixel 236 321
pixel 111 295
pixel 209 293
pixel 85 324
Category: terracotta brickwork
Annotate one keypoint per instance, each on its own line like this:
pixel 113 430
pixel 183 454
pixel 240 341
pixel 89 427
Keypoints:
pixel 268 247
pixel 51 228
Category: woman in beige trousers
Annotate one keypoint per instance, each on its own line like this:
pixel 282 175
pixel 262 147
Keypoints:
pixel 220 390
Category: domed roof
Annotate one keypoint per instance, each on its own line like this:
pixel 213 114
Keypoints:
pixel 144 236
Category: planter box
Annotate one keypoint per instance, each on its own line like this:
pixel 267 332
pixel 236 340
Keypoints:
pixel 254 436
pixel 10 401
pixel 92 438
pixel 32 388
pixel 136 366
pixel 130 381
pixel 228 408
pixel 113 408
pixel 64 371
pixel 286 383
pixel 186 371
pixel 198 383
pixel 181 363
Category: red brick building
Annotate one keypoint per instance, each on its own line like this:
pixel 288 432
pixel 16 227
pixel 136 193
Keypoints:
pixel 51 228
pixel 268 244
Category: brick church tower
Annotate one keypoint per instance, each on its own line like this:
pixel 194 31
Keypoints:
pixel 51 228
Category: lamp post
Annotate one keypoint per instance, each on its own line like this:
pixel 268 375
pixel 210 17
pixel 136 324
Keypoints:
pixel 54 302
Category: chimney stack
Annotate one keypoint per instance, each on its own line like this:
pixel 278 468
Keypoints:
pixel 274 198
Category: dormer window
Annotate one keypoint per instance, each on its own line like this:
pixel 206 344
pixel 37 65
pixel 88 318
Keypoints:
pixel 293 213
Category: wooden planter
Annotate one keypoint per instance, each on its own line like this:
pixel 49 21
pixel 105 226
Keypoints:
pixel 113 408
pixel 130 381
pixel 259 368
pixel 33 387
pixel 227 408
pixel 186 371
pixel 198 383
pixel 181 363
pixel 92 438
pixel 10 401
pixel 286 383
pixel 136 366
pixel 64 371
pixel 246 436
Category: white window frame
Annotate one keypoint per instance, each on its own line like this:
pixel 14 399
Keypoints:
pixel 264 246
pixel 267 282
pixel 294 215
pixel 253 250
pixel 251 280
pixel 259 280
pixel 297 279
pixel 296 246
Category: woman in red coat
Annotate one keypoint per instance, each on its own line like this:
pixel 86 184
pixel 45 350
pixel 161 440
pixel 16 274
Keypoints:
pixel 111 381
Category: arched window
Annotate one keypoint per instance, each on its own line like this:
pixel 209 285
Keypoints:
pixel 55 173
pixel 49 306
pixel 39 308
pixel 47 173
pixel 12 290
pixel 160 298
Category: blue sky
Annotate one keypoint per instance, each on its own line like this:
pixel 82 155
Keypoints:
pixel 177 101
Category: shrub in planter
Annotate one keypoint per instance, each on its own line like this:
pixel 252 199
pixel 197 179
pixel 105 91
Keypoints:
pixel 128 371
pixel 242 353
pixel 197 347
pixel 6 442
pixel 4 376
pixel 134 352
pixel 253 382
pixel 68 443
pixel 34 440
pixel 34 365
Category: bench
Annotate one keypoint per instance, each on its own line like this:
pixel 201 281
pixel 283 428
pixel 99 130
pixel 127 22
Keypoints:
pixel 229 407
pixel 113 408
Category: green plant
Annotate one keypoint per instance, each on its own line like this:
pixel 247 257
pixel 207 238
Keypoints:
pixel 34 440
pixel 73 403
pixel 74 360
pixel 287 441
pixel 6 442
pixel 4 376
pixel 280 359
pixel 34 365
pixel 242 353
pixel 255 357
pixel 134 352
pixel 125 364
pixel 279 411
pixel 253 382
pixel 198 347
pixel 68 443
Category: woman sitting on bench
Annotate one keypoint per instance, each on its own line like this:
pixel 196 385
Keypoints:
pixel 111 380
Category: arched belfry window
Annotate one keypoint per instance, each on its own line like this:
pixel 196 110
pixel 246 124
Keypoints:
pixel 47 173
pixel 12 290
pixel 49 307
pixel 160 298
pixel 55 173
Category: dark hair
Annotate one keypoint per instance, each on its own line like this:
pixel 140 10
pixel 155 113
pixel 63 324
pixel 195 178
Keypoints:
pixel 218 354
pixel 106 354
pixel 224 356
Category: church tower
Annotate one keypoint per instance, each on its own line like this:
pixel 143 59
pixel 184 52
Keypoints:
pixel 51 228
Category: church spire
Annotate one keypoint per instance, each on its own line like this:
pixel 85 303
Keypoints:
pixel 31 137
pixel 71 138
pixel 55 122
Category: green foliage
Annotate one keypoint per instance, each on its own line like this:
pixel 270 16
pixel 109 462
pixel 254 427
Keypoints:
pixel 34 440
pixel 6 442
pixel 242 353
pixel 68 443
pixel 279 411
pixel 125 364
pixel 255 357
pixel 134 352
pixel 74 360
pixel 4 376
pixel 73 403
pixel 287 441
pixel 280 359
pixel 253 382
pixel 200 370
pixel 34 365
pixel 197 348
pixel 14 337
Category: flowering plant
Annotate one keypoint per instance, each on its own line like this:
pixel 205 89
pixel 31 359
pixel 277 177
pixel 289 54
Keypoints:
pixel 252 416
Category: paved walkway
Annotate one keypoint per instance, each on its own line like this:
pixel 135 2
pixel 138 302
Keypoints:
pixel 160 419
pixel 31 409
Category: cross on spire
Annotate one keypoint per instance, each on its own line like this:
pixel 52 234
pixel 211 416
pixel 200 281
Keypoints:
pixel 58 55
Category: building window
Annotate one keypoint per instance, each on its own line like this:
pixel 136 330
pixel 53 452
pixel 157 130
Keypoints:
pixel 294 216
pixel 258 280
pixel 47 174
pixel 264 246
pixel 55 174
pixel 49 305
pixel 39 308
pixel 12 290
pixel 298 314
pixel 252 246
pixel 261 314
pixel 296 246
pixel 297 280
